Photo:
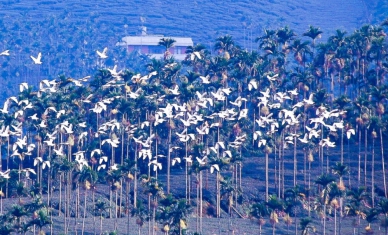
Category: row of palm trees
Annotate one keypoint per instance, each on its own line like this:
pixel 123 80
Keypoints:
pixel 204 117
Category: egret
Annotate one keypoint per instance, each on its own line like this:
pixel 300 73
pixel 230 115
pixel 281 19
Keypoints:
pixel 102 54
pixel 113 143
pixel 175 160
pixel 5 107
pixel 313 132
pixel 227 153
pixel 310 100
pixel 265 93
pixel 23 86
pixel 304 140
pixel 252 84
pixel 272 78
pixel 188 159
pixel 226 91
pixel 5 53
pixel 37 60
pixel 43 124
pixel 103 166
pixel 59 151
pixel 202 161
pixel 175 90
pixel 103 159
pixel 262 142
pixel 195 54
pixel 49 142
pixel 205 80
pixel 293 92
pixel 327 142
pixel 350 132
pixel 214 166
pixel 82 124
pixel 256 134
pixel 281 97
pixel 5 174
pixel 60 112
pixel 155 164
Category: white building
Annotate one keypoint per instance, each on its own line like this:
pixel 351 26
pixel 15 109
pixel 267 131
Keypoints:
pixel 148 44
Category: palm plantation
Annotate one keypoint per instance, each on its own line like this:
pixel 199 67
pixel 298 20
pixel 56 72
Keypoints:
pixel 169 140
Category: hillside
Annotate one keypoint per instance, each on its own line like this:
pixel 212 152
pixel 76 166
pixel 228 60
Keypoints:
pixel 204 20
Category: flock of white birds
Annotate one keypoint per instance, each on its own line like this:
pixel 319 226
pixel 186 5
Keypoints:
pixel 194 125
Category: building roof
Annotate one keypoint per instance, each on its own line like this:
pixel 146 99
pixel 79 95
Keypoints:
pixel 153 40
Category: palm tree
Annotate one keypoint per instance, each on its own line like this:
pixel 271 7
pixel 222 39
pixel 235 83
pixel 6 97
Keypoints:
pixel 313 33
pixel 259 210
pixel 225 44
pixel 275 205
pixel 100 208
pixel 154 190
pixel 284 37
pixel 382 207
pixel 293 198
pixel 114 178
pixel 17 212
pixel 141 213
pixel 88 177
pixel 340 170
pixel 306 225
pixel 196 56
pixel 167 43
pixel 379 94
pixel 324 182
pixel 40 219
pixel 355 199
pixel 371 215
pixel 174 214
pixel 300 49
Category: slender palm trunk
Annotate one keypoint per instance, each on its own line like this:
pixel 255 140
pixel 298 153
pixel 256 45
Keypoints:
pixel 359 156
pixel 373 172
pixel 100 222
pixel 266 177
pixel 382 162
pixel 324 219
pixel 110 203
pixel 83 220
pixel 200 202
pixel 116 209
pixel 365 154
pixel 342 146
pixel 335 221
pixel 295 159
pixel 169 160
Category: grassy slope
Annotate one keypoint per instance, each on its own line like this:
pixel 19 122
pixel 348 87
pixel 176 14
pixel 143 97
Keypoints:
pixel 205 20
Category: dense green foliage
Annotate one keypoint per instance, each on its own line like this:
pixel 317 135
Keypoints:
pixel 292 101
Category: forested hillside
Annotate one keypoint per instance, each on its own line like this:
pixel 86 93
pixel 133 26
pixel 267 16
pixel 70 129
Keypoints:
pixel 286 127
pixel 294 131
pixel 69 32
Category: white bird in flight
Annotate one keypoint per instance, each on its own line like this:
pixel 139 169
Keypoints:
pixel 272 78
pixel 37 60
pixel 252 84
pixel 310 100
pixel 205 80
pixel 195 54
pixel 350 132
pixel 102 54
pixel 23 86
pixel 5 53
